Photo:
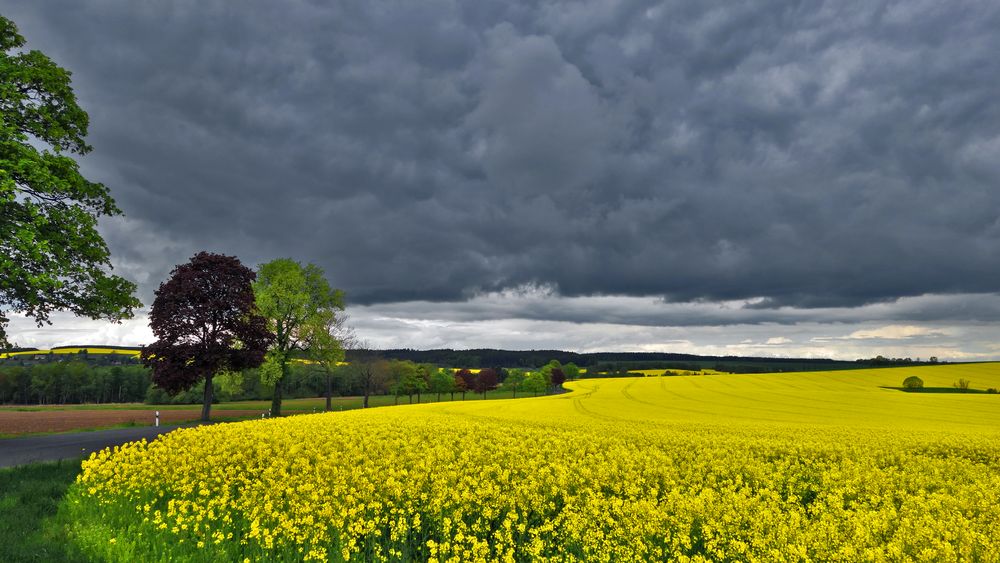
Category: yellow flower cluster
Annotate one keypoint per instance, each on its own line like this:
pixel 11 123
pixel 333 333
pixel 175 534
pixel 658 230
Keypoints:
pixel 611 472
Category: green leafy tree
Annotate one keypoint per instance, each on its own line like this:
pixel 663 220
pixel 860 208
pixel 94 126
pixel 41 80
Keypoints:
pixel 51 256
pixel 399 370
pixel 547 369
pixel 442 381
pixel 298 303
pixel 536 382
pixel 327 347
pixel 425 371
pixel 515 379
pixel 572 371
pixel 407 379
pixel 370 372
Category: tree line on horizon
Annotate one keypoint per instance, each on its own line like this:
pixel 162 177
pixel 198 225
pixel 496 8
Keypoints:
pixel 78 382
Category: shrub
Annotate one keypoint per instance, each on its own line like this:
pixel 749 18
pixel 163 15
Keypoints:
pixel 992 391
pixel 962 384
pixel 913 382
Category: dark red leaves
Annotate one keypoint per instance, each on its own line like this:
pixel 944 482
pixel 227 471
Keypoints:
pixel 205 322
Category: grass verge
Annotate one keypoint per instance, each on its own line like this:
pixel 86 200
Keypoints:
pixel 30 526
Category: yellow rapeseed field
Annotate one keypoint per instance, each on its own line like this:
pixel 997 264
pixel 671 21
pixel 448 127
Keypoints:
pixel 77 350
pixel 782 467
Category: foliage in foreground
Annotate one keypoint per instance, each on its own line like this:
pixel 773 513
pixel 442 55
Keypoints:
pixel 30 529
pixel 565 477
pixel 52 258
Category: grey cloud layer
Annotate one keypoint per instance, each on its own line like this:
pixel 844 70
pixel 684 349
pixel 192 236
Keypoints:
pixel 540 305
pixel 811 154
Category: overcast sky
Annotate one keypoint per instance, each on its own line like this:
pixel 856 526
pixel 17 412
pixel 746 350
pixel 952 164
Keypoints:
pixel 771 178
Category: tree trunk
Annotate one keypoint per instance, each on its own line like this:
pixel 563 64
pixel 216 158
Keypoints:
pixel 206 405
pixel 418 397
pixel 515 392
pixel 463 395
pixel 329 392
pixel 364 404
pixel 278 388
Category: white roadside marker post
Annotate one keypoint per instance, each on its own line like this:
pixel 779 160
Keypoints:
pixel 157 423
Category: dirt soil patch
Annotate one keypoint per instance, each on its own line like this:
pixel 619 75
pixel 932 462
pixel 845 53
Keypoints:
pixel 22 422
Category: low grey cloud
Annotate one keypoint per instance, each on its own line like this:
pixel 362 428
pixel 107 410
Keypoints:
pixel 541 303
pixel 771 161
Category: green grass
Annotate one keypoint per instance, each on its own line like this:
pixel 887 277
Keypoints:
pixel 30 526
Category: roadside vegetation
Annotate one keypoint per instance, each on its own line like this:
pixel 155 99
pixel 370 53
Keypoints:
pixel 32 529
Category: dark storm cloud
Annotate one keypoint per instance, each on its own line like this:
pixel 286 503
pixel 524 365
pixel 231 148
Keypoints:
pixel 811 154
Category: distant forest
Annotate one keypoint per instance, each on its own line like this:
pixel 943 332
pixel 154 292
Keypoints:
pixel 528 359
pixel 617 361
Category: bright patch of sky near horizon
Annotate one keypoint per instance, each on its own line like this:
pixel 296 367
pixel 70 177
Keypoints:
pixel 630 324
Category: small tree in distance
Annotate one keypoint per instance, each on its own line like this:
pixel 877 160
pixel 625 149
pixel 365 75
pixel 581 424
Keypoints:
pixel 442 381
pixel 913 382
pixel 515 378
pixel 463 378
pixel 535 382
pixel 572 371
pixel 486 380
pixel 205 322
pixel 327 348
pixel 371 371
pixel 558 378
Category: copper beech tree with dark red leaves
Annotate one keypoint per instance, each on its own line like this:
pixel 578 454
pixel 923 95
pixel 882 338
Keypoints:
pixel 558 377
pixel 205 320
pixel 486 380
pixel 464 380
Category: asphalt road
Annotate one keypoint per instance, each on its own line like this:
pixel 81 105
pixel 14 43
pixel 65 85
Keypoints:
pixel 53 447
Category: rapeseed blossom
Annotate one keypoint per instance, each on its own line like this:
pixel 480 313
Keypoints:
pixel 611 472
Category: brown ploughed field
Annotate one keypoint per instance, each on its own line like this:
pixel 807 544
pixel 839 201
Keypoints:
pixel 24 422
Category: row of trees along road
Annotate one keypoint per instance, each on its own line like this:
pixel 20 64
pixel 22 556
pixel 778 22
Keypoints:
pixel 214 315
pixel 407 378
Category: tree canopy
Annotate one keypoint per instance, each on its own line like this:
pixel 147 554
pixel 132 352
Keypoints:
pixel 205 322
pixel 299 306
pixel 51 255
